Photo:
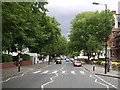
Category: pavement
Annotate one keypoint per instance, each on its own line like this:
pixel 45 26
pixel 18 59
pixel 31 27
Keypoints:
pixel 12 72
pixel 100 70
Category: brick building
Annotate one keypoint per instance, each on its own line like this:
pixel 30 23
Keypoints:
pixel 114 41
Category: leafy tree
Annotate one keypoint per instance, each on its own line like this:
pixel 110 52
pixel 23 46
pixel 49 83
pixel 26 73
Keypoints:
pixel 88 31
pixel 25 24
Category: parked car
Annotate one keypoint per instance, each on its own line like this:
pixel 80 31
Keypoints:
pixel 58 60
pixel 77 63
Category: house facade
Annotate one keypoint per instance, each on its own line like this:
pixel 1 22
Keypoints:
pixel 114 41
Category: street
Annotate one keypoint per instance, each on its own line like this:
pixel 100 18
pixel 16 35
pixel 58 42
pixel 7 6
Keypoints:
pixel 63 75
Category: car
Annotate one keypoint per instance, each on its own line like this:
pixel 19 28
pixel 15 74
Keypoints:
pixel 67 60
pixel 77 63
pixel 72 60
pixel 58 60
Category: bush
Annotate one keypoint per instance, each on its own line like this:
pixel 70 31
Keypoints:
pixel 114 64
pixel 7 58
pixel 25 57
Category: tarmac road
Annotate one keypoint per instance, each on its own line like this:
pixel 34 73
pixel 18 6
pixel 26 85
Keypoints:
pixel 63 75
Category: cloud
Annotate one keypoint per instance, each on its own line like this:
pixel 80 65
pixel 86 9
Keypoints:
pixel 65 10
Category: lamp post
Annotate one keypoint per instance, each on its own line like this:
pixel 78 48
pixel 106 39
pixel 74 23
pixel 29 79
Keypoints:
pixel 104 33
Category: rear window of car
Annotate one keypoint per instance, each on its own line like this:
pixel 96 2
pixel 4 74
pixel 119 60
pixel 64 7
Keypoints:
pixel 76 61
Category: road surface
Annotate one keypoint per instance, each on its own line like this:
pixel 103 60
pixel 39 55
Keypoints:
pixel 63 75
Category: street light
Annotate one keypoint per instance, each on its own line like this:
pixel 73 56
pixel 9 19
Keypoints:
pixel 105 32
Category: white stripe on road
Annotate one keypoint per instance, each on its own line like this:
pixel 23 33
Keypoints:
pixel 42 86
pixel 82 72
pixel 55 72
pixel 63 72
pixel 73 72
pixel 44 72
pixel 36 72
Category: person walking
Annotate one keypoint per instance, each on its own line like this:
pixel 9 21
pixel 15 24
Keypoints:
pixel 109 65
pixel 106 65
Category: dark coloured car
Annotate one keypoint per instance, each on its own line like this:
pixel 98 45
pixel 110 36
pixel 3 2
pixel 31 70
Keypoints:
pixel 58 60
pixel 77 63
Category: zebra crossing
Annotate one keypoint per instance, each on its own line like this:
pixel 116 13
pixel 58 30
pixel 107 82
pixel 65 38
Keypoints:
pixel 60 72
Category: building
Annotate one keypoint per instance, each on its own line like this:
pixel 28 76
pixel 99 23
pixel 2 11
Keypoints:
pixel 114 41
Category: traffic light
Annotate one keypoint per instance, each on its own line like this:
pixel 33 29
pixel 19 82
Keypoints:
pixel 19 52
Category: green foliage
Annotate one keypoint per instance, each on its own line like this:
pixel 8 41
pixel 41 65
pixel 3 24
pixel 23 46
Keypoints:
pixel 58 47
pixel 25 57
pixel 88 31
pixel 25 24
pixel 6 58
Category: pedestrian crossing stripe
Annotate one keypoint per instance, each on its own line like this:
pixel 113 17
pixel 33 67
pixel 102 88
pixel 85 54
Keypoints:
pixel 82 72
pixel 44 72
pixel 63 71
pixel 36 72
pixel 54 72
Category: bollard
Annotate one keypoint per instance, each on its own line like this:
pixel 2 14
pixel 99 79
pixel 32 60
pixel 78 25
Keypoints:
pixel 19 64
pixel 93 67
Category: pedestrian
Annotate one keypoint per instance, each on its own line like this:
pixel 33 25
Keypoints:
pixel 109 65
pixel 106 65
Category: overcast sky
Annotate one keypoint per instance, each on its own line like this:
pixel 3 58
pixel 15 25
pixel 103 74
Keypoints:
pixel 65 10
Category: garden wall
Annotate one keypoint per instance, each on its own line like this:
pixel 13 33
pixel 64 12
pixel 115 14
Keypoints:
pixel 13 64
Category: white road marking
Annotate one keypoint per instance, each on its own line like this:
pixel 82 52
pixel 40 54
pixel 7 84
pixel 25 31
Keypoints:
pixel 42 86
pixel 12 77
pixel 73 72
pixel 36 72
pixel 63 72
pixel 44 72
pixel 96 81
pixel 106 82
pixel 82 72
pixel 55 72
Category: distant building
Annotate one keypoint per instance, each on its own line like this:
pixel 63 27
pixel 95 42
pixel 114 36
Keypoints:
pixel 114 41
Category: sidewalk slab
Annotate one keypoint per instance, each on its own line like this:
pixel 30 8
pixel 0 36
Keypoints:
pixel 11 72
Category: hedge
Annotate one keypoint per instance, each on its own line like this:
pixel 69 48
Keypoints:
pixel 6 58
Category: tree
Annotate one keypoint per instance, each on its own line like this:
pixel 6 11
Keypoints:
pixel 57 47
pixel 25 24
pixel 88 31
